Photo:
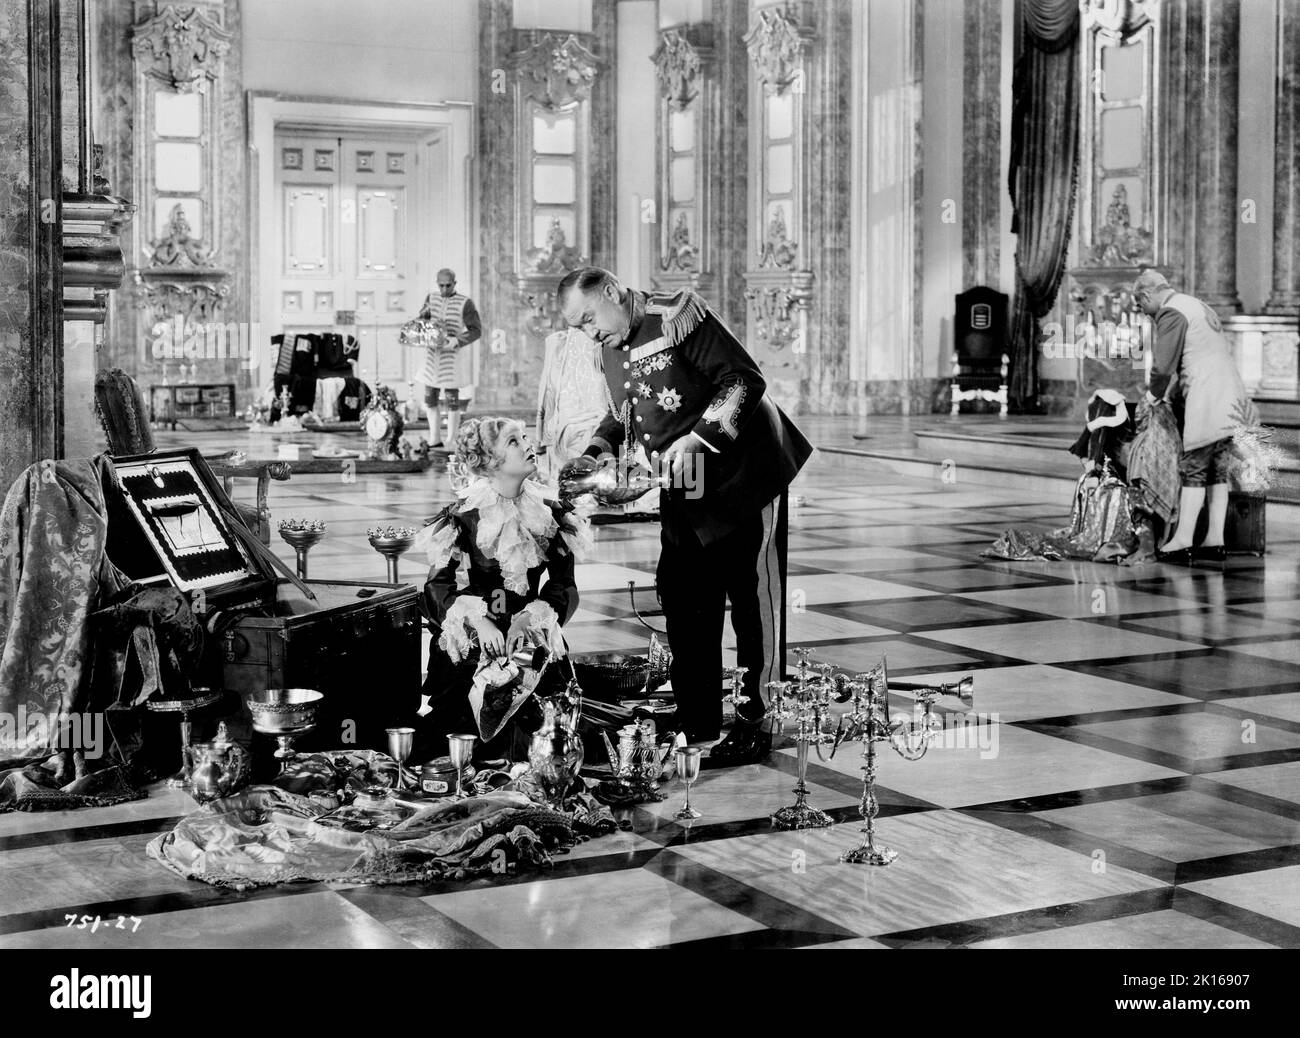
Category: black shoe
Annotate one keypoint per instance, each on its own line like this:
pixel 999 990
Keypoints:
pixel 1212 557
pixel 1177 557
pixel 747 743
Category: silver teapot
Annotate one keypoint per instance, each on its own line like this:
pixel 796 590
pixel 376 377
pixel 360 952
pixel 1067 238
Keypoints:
pixel 638 761
pixel 221 767
pixel 555 751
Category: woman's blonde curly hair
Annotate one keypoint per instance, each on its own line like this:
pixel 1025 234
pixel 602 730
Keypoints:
pixel 476 448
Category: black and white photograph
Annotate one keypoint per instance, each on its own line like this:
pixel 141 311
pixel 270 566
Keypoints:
pixel 708 475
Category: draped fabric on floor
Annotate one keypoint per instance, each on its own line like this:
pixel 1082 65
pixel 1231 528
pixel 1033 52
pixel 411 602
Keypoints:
pixel 278 834
pixel 1042 175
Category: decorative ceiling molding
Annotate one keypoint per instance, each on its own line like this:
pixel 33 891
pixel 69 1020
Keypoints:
pixel 555 70
pixel 678 66
pixel 182 49
pixel 776 45
pixel 1120 19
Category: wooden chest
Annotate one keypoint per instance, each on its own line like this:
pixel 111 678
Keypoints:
pixel 357 643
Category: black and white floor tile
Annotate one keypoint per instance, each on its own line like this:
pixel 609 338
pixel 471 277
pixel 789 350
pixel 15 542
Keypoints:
pixel 1132 777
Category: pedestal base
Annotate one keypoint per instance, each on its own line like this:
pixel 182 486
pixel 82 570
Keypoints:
pixel 869 855
pixel 801 816
pixel 617 793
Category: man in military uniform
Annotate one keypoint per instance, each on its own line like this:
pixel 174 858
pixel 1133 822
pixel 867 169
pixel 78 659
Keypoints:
pixel 683 388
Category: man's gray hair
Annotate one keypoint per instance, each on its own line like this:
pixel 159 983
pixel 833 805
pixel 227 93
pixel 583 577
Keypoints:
pixel 584 279
pixel 1150 281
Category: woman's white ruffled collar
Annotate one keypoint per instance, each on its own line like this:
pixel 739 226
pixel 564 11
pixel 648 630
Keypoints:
pixel 516 533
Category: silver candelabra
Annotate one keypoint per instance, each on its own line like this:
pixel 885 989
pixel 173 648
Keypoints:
pixel 806 703
pixel 868 722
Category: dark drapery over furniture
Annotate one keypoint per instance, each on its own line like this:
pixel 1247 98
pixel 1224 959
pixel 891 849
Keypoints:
pixel 1043 175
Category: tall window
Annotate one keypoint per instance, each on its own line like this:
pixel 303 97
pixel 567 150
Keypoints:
pixel 178 159
pixel 555 217
pixel 778 191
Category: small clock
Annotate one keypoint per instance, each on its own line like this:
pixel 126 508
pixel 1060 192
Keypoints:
pixel 382 423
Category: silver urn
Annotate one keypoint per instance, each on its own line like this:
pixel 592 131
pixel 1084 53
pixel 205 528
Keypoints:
pixel 555 752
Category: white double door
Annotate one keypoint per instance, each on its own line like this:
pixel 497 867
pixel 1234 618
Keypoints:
pixel 349 225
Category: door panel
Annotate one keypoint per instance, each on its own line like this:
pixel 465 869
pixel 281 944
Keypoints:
pixel 308 227
pixel 345 220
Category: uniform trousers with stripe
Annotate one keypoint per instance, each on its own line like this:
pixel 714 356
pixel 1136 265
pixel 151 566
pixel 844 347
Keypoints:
pixel 745 567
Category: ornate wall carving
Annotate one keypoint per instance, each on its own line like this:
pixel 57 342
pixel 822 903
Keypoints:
pixel 555 70
pixel 184 57
pixel 528 244
pixel 181 48
pixel 797 286
pixel 678 66
pixel 687 188
pixel 777 43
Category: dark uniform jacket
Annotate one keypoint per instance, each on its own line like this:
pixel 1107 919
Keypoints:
pixel 681 371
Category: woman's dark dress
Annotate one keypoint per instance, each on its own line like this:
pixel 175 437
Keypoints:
pixel 448 682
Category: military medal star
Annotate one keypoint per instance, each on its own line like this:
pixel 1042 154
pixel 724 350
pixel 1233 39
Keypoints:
pixel 670 400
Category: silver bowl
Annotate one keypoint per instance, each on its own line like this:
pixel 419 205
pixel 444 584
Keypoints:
pixel 284 711
pixel 386 545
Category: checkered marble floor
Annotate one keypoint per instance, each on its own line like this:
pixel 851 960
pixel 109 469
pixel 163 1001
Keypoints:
pixel 1131 777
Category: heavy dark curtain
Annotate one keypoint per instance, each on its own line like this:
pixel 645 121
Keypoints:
pixel 1042 176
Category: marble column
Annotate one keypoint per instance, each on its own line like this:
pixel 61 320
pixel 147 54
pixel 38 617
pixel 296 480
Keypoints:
pixel 829 192
pixel 1217 204
pixel 729 224
pixel 604 157
pixel 31 290
pixel 495 168
pixel 1285 298
pixel 981 142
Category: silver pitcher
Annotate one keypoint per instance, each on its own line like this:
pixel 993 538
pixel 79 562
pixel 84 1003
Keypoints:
pixel 555 752
pixel 221 767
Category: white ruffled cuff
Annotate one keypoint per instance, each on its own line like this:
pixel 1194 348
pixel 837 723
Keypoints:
pixel 458 633
pixel 579 540
pixel 544 625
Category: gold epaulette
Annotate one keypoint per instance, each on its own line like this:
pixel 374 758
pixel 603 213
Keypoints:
pixel 680 313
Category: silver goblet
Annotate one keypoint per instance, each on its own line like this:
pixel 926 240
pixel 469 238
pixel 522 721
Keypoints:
pixel 400 741
pixel 460 748
pixel 688 767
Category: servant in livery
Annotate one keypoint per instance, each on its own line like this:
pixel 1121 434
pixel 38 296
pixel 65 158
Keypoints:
pixel 1209 399
pixel 684 389
pixel 448 369
pixel 500 578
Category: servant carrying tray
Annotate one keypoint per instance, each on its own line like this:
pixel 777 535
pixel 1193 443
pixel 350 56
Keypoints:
pixel 358 643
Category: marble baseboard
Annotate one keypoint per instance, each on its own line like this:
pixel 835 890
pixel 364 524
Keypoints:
pixel 882 397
